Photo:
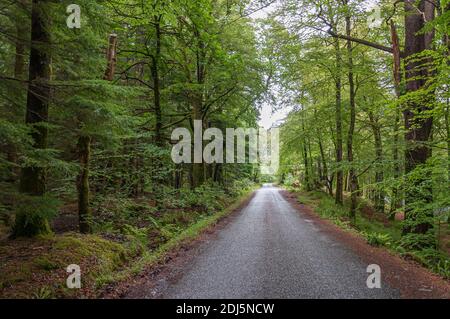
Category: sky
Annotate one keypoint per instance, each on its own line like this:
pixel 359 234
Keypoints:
pixel 268 117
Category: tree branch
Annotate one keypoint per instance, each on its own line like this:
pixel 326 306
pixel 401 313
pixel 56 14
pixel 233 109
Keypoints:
pixel 361 41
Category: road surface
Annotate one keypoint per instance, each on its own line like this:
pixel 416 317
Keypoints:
pixel 270 251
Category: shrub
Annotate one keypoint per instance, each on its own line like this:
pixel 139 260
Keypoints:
pixel 415 242
pixel 378 239
pixel 435 260
pixel 138 238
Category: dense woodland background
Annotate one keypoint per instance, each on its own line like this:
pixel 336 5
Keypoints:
pixel 87 114
pixel 99 127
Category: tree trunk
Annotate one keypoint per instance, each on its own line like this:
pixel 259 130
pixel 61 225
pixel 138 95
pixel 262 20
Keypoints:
pixel 418 127
pixel 353 180
pixel 379 175
pixel 111 58
pixel 447 127
pixel 84 210
pixel 33 178
pixel 305 160
pixel 178 176
pixel 339 140
pixel 397 75
pixel 156 83
pixel 446 41
pixel 329 183
pixel 84 151
pixel 198 170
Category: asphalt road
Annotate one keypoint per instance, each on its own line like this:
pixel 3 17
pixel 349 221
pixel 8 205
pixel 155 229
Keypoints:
pixel 270 251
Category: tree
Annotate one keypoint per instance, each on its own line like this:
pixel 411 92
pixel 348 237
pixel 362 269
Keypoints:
pixel 33 177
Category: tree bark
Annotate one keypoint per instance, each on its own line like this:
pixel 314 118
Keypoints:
pixel 397 75
pixel 329 182
pixel 339 140
pixel 111 58
pixel 84 152
pixel 447 127
pixel 305 160
pixel 379 175
pixel 353 180
pixel 84 209
pixel 33 178
pixel 156 57
pixel 198 170
pixel 418 127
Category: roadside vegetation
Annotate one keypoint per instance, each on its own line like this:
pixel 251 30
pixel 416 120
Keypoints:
pixel 379 231
pixel 134 237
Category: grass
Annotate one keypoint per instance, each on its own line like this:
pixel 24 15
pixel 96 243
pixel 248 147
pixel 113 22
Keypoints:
pixel 325 207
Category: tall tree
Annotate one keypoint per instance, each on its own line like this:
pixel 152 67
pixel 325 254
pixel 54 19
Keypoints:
pixel 351 130
pixel 418 123
pixel 33 177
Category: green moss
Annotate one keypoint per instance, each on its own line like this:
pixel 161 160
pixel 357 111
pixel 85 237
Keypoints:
pixel 96 257
pixel 30 226
pixel 20 273
pixel 46 264
pixel 76 248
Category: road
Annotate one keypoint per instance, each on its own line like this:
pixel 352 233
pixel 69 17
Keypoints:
pixel 270 251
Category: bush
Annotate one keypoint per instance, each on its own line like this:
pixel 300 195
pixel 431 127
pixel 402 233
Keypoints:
pixel 378 239
pixel 416 242
pixel 138 238
pixel 435 260
pixel 33 214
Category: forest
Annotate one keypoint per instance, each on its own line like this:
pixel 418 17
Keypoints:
pixel 91 91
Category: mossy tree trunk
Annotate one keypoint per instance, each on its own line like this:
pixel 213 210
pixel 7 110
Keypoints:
pixel 418 124
pixel 339 141
pixel 198 169
pixel 353 179
pixel 84 151
pixel 33 178
pixel 84 209
pixel 379 174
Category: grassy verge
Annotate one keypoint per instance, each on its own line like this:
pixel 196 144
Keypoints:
pixel 377 230
pixel 36 268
